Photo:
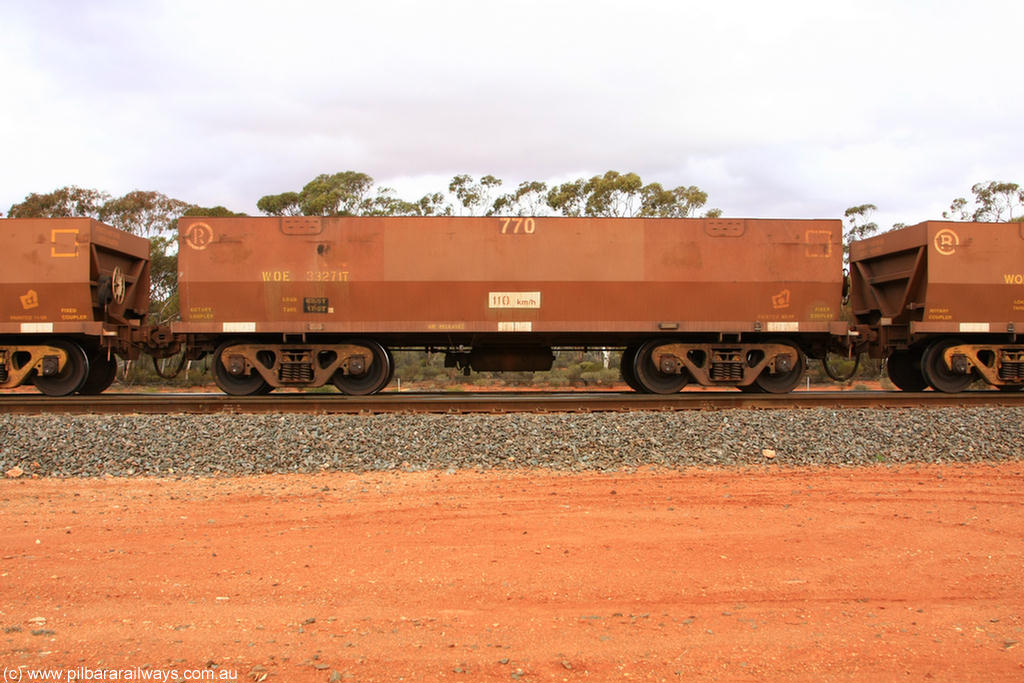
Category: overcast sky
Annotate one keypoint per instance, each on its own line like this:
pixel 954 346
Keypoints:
pixel 776 109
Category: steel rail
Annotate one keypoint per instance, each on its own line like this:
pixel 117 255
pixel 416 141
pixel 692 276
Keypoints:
pixel 488 402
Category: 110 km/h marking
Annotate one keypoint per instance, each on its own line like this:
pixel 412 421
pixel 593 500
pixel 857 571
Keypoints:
pixel 513 300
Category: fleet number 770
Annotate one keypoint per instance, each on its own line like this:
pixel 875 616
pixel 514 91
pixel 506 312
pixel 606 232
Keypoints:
pixel 515 225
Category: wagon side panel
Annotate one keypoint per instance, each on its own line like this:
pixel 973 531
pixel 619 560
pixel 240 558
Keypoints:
pixel 556 275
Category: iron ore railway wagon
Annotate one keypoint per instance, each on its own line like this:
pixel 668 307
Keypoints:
pixel 944 303
pixel 302 301
pixel 306 301
pixel 74 294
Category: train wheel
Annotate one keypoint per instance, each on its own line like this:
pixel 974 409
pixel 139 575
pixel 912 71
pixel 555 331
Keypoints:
pixel 376 377
pixel 782 382
pixel 1010 387
pixel 652 380
pixel 940 377
pixel 71 378
pixel 904 370
pixel 252 384
pixel 102 372
pixel 626 369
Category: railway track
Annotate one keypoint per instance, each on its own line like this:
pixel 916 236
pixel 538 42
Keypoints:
pixel 488 402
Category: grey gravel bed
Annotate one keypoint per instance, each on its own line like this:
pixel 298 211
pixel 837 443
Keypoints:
pixel 88 446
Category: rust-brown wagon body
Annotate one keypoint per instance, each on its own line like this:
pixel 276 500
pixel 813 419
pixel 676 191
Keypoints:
pixel 73 292
pixel 304 300
pixel 945 302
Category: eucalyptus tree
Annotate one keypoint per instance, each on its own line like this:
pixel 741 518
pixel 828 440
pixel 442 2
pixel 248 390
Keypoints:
pixel 993 201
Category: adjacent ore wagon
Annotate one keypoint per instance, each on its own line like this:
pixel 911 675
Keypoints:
pixel 945 303
pixel 303 301
pixel 73 293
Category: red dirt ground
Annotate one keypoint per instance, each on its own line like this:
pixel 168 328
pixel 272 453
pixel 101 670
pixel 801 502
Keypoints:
pixel 868 574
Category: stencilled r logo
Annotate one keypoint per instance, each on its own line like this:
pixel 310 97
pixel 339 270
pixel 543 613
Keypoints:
pixel 198 236
pixel 946 241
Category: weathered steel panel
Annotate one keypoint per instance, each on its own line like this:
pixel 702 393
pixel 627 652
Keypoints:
pixel 448 274
pixel 54 270
pixel 942 276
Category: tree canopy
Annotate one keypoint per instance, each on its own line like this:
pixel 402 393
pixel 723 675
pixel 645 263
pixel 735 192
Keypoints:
pixel 858 225
pixel 140 212
pixel 529 199
pixel 612 194
pixel 992 201
pixel 338 194
pixel 65 202
pixel 474 196
pixel 622 195
pixel 346 193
